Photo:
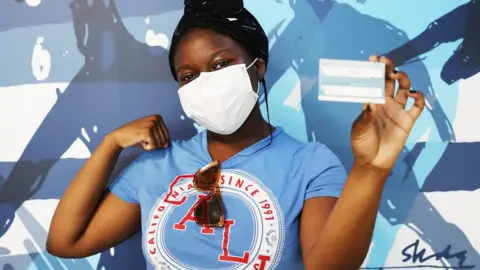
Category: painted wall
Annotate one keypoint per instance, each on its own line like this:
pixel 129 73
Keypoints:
pixel 71 72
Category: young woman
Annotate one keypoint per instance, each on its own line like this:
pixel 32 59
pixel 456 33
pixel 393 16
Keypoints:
pixel 243 194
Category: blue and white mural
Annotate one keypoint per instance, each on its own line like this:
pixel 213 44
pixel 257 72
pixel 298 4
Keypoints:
pixel 71 71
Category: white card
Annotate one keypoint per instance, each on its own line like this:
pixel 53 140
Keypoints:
pixel 351 81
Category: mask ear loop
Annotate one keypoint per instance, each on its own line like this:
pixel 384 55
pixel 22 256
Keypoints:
pixel 254 61
pixel 249 66
pixel 258 89
pixel 262 81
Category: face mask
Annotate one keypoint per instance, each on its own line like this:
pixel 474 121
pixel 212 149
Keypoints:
pixel 219 101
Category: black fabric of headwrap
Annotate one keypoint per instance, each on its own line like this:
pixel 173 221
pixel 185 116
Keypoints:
pixel 225 16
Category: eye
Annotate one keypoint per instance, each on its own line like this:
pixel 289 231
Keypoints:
pixel 187 77
pixel 221 64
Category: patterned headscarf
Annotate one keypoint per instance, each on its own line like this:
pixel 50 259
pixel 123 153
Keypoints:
pixel 229 17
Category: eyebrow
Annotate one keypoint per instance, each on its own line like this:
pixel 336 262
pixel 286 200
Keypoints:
pixel 213 55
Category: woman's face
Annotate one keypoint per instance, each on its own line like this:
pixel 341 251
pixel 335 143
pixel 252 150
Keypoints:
pixel 204 50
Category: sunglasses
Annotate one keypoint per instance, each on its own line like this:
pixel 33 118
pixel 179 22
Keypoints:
pixel 208 211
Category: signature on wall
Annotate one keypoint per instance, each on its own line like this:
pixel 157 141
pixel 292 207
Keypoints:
pixel 420 258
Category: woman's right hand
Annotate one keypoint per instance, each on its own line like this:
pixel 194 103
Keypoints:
pixel 149 133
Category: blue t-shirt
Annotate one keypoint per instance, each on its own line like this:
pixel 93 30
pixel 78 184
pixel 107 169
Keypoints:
pixel 263 193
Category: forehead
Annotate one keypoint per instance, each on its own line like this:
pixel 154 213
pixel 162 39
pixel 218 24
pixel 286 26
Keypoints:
pixel 201 43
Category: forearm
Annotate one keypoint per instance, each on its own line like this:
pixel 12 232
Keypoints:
pixel 81 198
pixel 345 239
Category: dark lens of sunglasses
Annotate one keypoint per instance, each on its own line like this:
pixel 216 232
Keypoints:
pixel 209 211
pixel 206 180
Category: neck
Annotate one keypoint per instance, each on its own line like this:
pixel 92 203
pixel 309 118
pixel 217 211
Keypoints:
pixel 253 130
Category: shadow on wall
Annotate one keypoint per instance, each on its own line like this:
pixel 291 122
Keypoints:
pixel 121 80
pixel 460 23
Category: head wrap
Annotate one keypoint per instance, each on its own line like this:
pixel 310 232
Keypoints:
pixel 225 16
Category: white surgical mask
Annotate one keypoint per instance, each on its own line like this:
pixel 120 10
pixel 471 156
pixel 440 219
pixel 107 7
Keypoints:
pixel 219 101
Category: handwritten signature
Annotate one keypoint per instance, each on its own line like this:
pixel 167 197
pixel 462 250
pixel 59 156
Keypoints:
pixel 412 253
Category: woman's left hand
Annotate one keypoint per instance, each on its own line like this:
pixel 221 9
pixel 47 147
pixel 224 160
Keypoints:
pixel 380 132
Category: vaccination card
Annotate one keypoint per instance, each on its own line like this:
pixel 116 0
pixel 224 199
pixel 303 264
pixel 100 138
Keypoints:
pixel 351 81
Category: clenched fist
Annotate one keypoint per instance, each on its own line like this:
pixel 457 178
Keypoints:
pixel 148 132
